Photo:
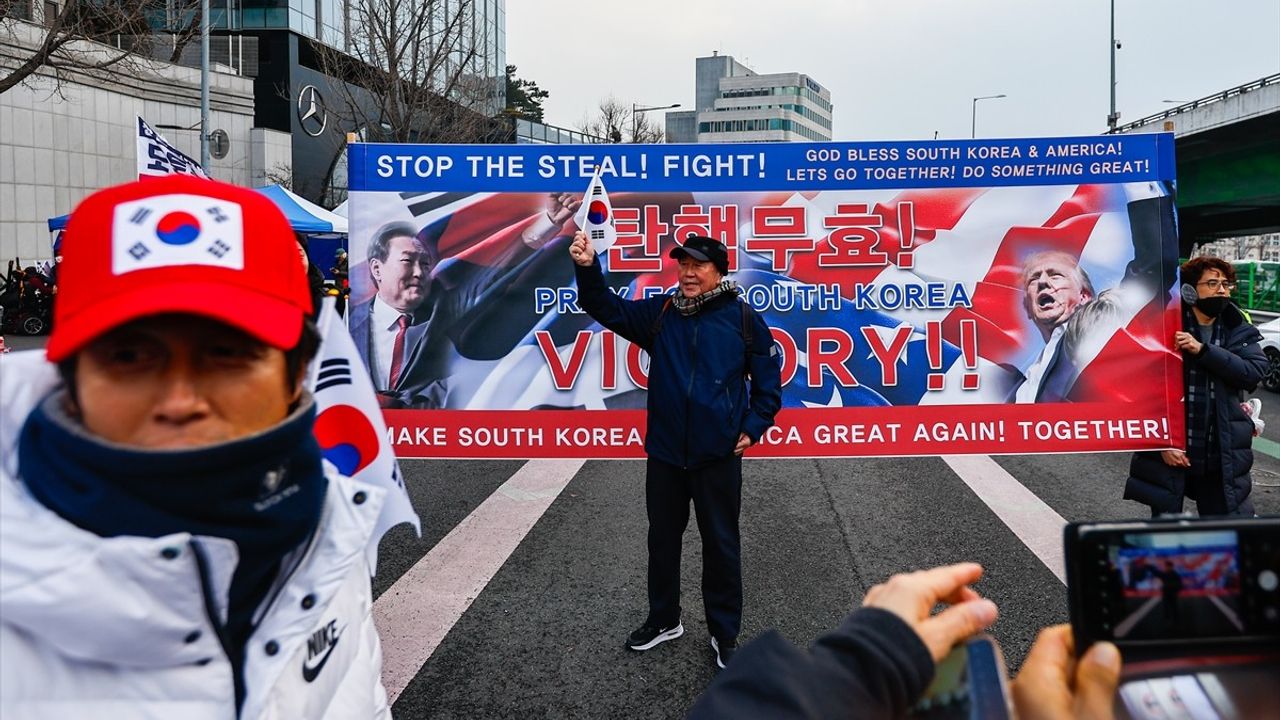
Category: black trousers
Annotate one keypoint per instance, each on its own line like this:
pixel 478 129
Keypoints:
pixel 716 492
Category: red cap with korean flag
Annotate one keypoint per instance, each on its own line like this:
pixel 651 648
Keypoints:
pixel 178 244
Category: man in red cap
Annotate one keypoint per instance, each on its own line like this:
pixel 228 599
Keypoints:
pixel 174 545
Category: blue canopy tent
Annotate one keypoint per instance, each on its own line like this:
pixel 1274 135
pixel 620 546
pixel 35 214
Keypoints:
pixel 304 216
pixel 328 230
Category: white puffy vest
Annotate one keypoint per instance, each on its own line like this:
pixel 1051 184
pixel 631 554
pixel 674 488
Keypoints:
pixel 120 627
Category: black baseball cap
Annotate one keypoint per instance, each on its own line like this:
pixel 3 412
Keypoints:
pixel 704 249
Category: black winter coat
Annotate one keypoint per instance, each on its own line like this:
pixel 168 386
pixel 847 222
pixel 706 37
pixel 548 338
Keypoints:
pixel 699 398
pixel 1236 369
pixel 872 666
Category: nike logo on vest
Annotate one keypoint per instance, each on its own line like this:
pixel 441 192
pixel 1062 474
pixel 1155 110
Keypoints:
pixel 320 645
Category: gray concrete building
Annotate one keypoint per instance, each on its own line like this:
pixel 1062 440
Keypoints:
pixel 61 141
pixel 733 103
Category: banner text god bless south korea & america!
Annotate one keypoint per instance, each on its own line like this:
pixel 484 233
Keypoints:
pixel 891 273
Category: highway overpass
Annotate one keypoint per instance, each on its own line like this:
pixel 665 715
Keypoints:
pixel 1228 154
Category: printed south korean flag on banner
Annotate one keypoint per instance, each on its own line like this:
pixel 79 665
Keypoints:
pixel 595 217
pixel 164 231
pixel 350 429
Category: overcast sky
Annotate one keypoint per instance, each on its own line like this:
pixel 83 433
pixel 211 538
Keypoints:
pixel 903 69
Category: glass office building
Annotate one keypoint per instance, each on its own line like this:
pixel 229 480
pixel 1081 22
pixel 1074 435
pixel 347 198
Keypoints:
pixel 483 28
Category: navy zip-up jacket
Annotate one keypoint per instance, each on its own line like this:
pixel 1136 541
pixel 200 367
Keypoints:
pixel 699 397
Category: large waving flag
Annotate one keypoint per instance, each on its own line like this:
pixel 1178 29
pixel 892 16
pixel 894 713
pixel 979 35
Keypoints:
pixel 350 428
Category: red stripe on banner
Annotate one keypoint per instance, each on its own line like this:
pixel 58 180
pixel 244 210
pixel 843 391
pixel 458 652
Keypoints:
pixel 827 432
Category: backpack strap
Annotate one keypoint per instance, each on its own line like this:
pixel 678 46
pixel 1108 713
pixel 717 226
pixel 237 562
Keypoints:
pixel 747 335
pixel 657 322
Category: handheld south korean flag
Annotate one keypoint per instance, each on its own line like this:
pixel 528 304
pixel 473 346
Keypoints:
pixel 595 217
pixel 350 428
pixel 169 230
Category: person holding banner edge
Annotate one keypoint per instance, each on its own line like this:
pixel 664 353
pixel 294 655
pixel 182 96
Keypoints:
pixel 714 388
pixel 1221 362
pixel 173 540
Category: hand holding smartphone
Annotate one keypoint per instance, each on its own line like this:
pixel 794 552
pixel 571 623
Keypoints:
pixel 1193 605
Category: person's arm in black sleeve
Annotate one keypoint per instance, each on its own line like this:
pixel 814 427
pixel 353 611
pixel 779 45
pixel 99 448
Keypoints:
pixel 1241 365
pixel 766 380
pixel 632 319
pixel 873 666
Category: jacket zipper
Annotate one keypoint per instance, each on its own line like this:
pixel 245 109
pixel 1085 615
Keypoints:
pixel 688 391
pixel 202 563
pixel 210 609
pixel 287 576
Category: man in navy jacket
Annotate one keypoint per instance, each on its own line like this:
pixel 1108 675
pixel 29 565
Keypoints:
pixel 714 387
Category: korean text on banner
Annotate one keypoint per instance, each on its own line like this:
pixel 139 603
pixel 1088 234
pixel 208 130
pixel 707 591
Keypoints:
pixel 943 297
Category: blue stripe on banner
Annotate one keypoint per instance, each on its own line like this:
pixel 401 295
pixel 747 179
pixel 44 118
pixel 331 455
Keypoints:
pixel 764 166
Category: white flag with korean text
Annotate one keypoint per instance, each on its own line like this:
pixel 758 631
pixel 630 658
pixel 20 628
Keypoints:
pixel 156 157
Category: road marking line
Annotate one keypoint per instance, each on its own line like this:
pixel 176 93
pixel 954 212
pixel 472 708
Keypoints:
pixel 414 615
pixel 1125 627
pixel 1230 614
pixel 1035 523
pixel 1267 447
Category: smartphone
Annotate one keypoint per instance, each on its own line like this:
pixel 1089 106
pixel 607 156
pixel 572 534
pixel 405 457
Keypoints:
pixel 971 683
pixel 1175 588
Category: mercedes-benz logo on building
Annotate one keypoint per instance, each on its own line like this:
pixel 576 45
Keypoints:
pixel 311 114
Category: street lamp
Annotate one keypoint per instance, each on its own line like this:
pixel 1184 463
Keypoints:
pixel 637 109
pixel 973 128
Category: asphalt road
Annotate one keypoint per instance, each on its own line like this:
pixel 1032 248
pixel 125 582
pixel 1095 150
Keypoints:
pixel 544 638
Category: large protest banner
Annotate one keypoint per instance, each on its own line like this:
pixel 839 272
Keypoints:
pixel 921 293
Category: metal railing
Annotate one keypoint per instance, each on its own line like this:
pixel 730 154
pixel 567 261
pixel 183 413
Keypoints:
pixel 1258 285
pixel 1194 104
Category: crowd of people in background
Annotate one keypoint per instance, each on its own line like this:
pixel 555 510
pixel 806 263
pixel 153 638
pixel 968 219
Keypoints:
pixel 26 297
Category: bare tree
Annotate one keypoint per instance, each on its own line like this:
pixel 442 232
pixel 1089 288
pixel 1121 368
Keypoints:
pixel 184 19
pixel 410 72
pixel 58 40
pixel 617 123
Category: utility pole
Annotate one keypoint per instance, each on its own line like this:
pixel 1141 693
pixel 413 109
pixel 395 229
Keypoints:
pixel 1114 116
pixel 204 85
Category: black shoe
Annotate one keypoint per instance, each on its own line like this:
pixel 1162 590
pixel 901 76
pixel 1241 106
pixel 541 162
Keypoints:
pixel 724 650
pixel 647 636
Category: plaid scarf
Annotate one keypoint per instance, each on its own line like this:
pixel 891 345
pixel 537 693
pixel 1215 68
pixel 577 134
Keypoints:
pixel 1202 435
pixel 691 306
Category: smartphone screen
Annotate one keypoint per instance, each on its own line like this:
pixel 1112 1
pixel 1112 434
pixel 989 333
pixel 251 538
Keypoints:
pixel 1173 584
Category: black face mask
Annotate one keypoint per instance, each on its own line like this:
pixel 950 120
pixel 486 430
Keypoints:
pixel 1212 305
